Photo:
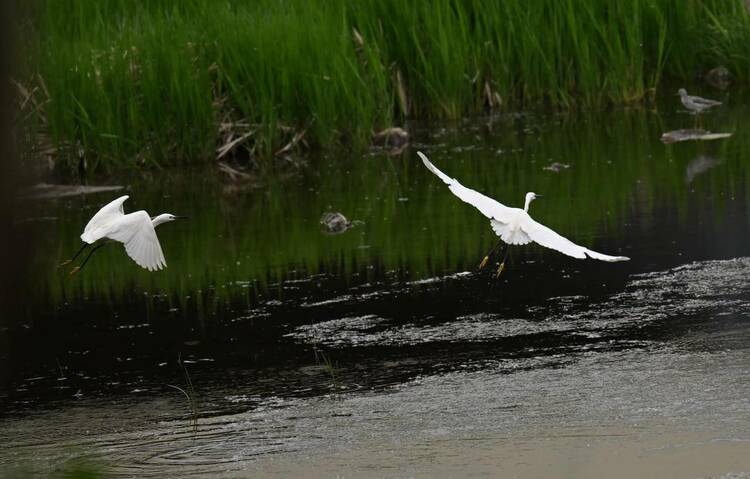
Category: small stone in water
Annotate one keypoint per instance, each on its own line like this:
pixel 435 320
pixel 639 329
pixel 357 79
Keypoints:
pixel 719 77
pixel 556 167
pixel 336 223
pixel 393 137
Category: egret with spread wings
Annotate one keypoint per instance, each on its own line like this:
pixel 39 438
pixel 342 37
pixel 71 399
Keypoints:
pixel 514 226
pixel 134 230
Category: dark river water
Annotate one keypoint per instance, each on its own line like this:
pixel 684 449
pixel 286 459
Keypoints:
pixel 383 351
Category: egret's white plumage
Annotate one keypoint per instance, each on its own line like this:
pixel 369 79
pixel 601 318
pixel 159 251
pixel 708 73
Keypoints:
pixel 99 224
pixel 514 225
pixel 134 230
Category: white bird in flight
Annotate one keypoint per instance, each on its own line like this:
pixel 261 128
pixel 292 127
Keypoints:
pixel 134 230
pixel 514 226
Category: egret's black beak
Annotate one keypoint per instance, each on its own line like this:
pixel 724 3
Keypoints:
pixel 180 217
pixel 538 196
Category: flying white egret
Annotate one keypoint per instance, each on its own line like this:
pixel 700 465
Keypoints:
pixel 134 230
pixel 514 226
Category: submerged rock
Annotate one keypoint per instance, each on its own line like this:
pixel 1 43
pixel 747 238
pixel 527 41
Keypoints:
pixel 333 222
pixel 691 134
pixel 719 77
pixel 393 137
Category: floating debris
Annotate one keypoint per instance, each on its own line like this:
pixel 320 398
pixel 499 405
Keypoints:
pixel 691 134
pixel 233 174
pixel 236 180
pixel 44 191
pixel 492 98
pixel 231 142
pixel 336 223
pixel 297 138
pixel 556 167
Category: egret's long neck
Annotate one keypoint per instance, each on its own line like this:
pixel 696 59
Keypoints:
pixel 529 199
pixel 160 219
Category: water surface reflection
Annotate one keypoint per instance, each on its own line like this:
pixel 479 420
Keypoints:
pixel 311 345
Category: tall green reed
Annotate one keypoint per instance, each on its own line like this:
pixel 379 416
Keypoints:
pixel 152 83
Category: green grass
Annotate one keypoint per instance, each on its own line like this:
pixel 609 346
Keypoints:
pixel 189 392
pixel 152 83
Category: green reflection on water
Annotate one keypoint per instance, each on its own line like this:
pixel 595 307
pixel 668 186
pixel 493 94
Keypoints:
pixel 238 244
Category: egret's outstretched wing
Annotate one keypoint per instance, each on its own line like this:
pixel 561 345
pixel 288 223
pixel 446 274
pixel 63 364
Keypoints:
pixel 548 238
pixel 486 205
pixel 138 235
pixel 99 224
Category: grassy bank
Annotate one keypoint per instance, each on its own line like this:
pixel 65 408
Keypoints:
pixel 166 82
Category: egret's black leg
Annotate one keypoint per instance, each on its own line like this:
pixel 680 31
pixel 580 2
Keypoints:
pixel 491 252
pixel 502 264
pixel 78 268
pixel 74 257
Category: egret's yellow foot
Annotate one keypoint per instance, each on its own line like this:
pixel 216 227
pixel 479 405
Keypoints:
pixel 75 270
pixel 65 263
pixel 500 269
pixel 484 262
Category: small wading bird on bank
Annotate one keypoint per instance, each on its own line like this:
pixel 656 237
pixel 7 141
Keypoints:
pixel 514 226
pixel 134 230
pixel 696 104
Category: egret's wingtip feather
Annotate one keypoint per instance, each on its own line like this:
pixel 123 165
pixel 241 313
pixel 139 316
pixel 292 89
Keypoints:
pixel 426 162
pixel 434 169
pixel 615 259
pixel 609 259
